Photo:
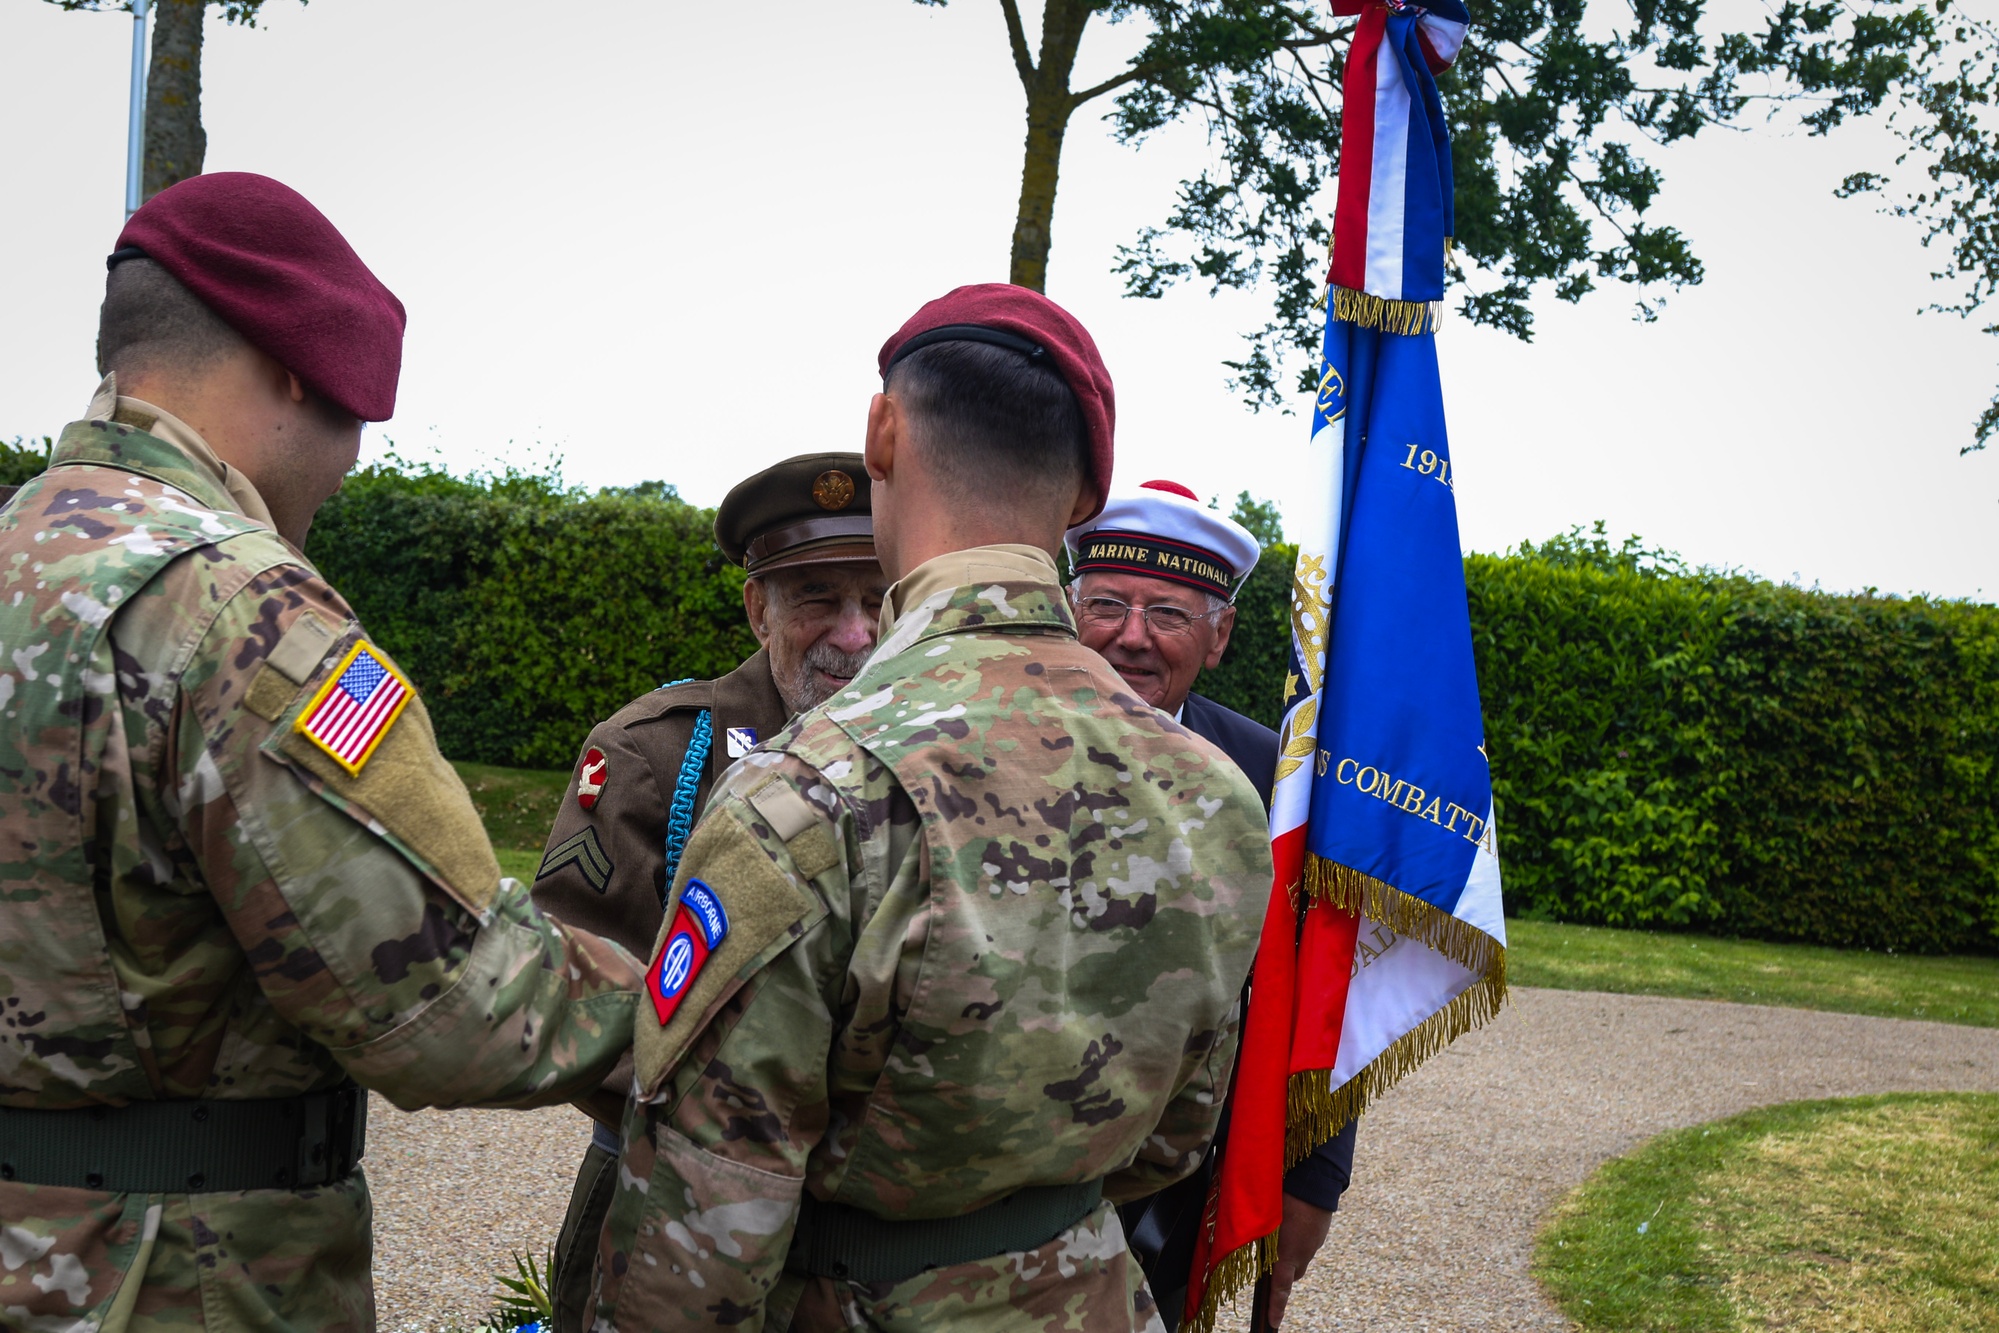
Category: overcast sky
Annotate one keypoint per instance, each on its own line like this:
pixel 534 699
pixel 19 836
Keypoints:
pixel 664 240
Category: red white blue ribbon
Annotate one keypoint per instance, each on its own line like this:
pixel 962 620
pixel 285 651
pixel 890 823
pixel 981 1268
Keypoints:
pixel 1394 213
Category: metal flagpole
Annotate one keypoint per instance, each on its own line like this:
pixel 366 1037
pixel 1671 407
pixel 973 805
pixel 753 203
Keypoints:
pixel 135 146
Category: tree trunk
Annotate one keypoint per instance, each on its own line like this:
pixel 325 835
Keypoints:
pixel 175 141
pixel 1049 104
pixel 1046 125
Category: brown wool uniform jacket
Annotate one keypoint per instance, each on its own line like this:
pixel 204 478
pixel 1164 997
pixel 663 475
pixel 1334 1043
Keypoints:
pixel 604 869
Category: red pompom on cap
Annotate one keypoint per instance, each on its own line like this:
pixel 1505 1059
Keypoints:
pixel 274 269
pixel 1030 318
pixel 1170 487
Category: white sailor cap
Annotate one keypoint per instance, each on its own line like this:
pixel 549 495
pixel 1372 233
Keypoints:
pixel 1163 531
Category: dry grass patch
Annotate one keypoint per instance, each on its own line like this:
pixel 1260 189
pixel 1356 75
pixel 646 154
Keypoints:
pixel 1863 1214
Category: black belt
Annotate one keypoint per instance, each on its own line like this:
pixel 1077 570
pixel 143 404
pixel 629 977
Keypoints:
pixel 834 1240
pixel 188 1147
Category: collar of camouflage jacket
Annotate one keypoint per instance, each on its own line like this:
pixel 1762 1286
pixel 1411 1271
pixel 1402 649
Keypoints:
pixel 109 406
pixel 987 589
pixel 1007 563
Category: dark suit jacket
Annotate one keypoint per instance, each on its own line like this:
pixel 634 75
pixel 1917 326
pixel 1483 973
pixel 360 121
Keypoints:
pixel 1162 1228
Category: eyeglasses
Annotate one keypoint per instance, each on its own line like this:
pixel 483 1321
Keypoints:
pixel 1164 619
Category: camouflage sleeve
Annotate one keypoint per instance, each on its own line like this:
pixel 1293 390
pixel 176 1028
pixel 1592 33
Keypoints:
pixel 370 905
pixel 733 1088
pixel 1176 1146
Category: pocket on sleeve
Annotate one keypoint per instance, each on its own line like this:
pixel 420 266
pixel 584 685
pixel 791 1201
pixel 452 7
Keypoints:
pixel 710 1241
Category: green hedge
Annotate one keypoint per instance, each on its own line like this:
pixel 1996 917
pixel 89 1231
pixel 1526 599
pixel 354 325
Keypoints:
pixel 1704 749
pixel 1678 748
pixel 1670 747
pixel 527 612
pixel 23 459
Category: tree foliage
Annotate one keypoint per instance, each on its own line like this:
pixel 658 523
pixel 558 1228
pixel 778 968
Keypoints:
pixel 1951 129
pixel 244 12
pixel 1261 517
pixel 24 459
pixel 1553 105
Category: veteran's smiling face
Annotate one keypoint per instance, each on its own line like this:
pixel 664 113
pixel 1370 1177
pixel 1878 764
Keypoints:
pixel 819 623
pixel 1160 654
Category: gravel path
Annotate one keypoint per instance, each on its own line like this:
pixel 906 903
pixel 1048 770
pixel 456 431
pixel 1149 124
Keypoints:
pixel 1453 1171
pixel 456 1194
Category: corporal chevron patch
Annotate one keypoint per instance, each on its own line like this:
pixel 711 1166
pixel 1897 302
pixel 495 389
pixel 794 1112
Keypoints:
pixel 584 852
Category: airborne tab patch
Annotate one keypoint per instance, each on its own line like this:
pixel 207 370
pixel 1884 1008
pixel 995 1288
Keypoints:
pixel 355 709
pixel 699 927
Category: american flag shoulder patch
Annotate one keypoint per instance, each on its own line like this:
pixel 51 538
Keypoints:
pixel 354 710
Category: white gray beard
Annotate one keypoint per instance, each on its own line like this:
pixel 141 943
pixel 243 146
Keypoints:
pixel 803 691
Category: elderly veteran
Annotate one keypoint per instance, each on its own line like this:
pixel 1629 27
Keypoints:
pixel 952 961
pixel 804 532
pixel 242 884
pixel 1156 578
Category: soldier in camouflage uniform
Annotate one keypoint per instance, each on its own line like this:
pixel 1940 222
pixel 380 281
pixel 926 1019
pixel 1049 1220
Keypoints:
pixel 240 877
pixel 952 962
pixel 803 532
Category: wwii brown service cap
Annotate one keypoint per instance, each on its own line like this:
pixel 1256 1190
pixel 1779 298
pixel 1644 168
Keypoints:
pixel 815 509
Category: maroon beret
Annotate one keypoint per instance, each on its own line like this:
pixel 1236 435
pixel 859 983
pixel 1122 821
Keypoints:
pixel 271 265
pixel 1037 326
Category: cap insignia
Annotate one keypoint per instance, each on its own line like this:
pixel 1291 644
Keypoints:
pixel 833 490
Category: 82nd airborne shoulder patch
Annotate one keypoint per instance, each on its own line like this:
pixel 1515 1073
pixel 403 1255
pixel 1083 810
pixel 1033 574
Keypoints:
pixel 699 927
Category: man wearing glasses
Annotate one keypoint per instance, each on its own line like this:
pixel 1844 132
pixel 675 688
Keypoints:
pixel 1156 578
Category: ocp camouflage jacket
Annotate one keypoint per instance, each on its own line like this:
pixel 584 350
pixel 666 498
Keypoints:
pixel 200 903
pixel 989 917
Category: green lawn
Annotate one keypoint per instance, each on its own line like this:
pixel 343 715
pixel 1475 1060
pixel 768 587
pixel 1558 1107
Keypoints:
pixel 1866 1213
pixel 1959 989
pixel 517 805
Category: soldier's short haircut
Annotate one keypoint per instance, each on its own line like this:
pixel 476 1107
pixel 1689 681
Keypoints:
pixel 151 322
pixel 992 420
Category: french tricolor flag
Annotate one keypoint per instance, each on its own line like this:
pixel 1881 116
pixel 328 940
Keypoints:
pixel 1385 938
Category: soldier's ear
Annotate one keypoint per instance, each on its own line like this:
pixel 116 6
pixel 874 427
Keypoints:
pixel 887 429
pixel 1084 505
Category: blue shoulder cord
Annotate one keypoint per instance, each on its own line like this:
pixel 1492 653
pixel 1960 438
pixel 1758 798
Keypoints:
pixel 680 815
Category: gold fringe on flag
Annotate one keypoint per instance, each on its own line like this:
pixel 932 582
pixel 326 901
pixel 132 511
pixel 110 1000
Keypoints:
pixel 1410 917
pixel 1315 1110
pixel 1378 312
pixel 1238 1273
